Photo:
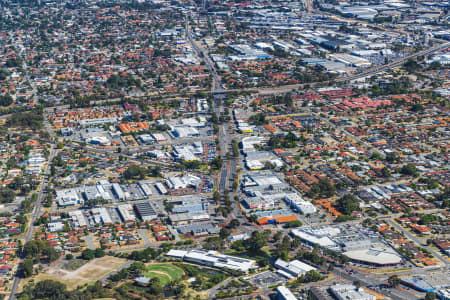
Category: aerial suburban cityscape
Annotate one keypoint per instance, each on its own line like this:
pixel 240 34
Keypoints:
pixel 205 149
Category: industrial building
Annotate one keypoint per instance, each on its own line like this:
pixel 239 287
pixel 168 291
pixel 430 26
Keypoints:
pixel 145 211
pixel 189 204
pixel 188 218
pixel 78 219
pixel 161 189
pixel 146 189
pixel 126 213
pixel 118 191
pixel 101 216
pixel 247 52
pixel 198 229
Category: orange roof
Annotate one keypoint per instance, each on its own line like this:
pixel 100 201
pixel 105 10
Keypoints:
pixel 383 228
pixel 269 128
pixel 263 220
pixel 285 219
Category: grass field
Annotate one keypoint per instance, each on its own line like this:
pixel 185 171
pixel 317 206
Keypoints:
pixel 164 272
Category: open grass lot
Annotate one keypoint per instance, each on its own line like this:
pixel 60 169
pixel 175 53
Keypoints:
pixel 89 272
pixel 164 272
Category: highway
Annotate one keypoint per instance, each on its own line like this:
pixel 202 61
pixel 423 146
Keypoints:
pixel 394 64
pixel 350 77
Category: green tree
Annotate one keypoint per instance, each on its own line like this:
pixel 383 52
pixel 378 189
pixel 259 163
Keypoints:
pixel 323 188
pixel 27 268
pixel 386 172
pixel 88 254
pixel 99 252
pixel 224 233
pixel 294 224
pixel 409 169
pixel 347 204
pixel 394 280
pixel 234 223
pixel 134 172
pixel 49 289
pixel 6 100
pixel 50 253
pixel 256 241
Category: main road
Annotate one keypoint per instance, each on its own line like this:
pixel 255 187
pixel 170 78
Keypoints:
pixel 34 216
pixel 229 165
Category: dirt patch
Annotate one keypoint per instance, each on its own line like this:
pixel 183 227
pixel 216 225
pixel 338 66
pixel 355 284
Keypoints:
pixel 94 270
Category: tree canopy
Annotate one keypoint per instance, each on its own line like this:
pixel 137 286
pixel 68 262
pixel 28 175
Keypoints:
pixel 347 204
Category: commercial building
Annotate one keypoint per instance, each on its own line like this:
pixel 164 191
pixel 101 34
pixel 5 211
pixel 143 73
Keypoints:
pixel 418 283
pixel 348 291
pixel 443 294
pixel 184 131
pixel 351 60
pixel 97 122
pixel 284 293
pixel 358 243
pixel 292 269
pixel 55 226
pixel 146 139
pixel 380 255
pixel 276 219
pixel 300 205
pixel 68 197
pixel 188 180
pixel 214 259
pixel 320 293
pixel 184 153
pixel 320 235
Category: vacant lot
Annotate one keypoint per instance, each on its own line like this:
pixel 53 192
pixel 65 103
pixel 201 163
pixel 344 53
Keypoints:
pixel 164 272
pixel 94 270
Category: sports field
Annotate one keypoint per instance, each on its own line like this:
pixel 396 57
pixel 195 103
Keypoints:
pixel 164 272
